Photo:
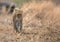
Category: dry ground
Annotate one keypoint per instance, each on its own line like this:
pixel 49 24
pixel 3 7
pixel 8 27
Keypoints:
pixel 41 23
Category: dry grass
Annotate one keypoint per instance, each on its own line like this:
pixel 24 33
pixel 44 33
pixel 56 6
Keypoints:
pixel 43 19
pixel 41 23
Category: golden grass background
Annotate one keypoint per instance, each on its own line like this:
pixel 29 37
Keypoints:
pixel 41 23
pixel 43 19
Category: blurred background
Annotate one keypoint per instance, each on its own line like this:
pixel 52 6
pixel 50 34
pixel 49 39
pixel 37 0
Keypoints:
pixel 19 2
pixel 41 22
